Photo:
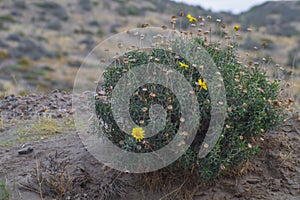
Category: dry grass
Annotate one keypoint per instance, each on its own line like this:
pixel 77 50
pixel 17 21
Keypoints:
pixel 37 129
pixel 170 184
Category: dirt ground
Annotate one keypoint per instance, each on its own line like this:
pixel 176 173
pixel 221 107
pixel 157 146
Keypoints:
pixel 60 164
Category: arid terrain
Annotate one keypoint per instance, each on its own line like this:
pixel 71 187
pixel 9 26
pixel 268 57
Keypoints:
pixel 46 126
pixel 42 46
pixel 44 43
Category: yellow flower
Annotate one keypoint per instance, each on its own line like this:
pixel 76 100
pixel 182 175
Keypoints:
pixel 138 133
pixel 237 28
pixel 191 18
pixel 202 84
pixel 183 65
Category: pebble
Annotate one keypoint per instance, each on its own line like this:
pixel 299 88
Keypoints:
pixel 253 180
pixel 25 150
pixel 56 103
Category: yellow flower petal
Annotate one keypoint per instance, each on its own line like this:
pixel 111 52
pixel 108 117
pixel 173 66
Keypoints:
pixel 237 28
pixel 202 84
pixel 138 133
pixel 191 18
pixel 183 65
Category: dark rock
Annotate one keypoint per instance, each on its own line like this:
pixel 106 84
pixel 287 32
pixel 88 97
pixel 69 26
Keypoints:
pixel 42 15
pixel 25 150
pixel 41 38
pixel 16 13
pixel 10 98
pixel 54 9
pixel 114 27
pixel 88 41
pixel 253 180
pixel 60 13
pixel 94 23
pixel 54 25
pixel 86 5
pixel 47 5
pixel 14 37
pixel 20 4
pixel 75 64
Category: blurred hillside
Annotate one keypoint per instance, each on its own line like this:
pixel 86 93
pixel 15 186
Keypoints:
pixel 43 43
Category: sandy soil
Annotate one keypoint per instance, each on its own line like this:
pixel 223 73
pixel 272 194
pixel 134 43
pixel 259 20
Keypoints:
pixel 63 161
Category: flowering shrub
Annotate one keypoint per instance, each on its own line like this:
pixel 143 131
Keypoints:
pixel 252 100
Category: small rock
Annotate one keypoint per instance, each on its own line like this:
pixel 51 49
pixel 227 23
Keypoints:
pixel 25 150
pixel 253 180
pixel 72 111
pixel 59 115
pixel 16 13
pixel 54 25
pixel 74 63
pixel 14 37
pixel 54 91
pixel 94 23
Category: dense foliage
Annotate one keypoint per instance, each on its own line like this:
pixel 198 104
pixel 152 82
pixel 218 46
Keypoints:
pixel 252 105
